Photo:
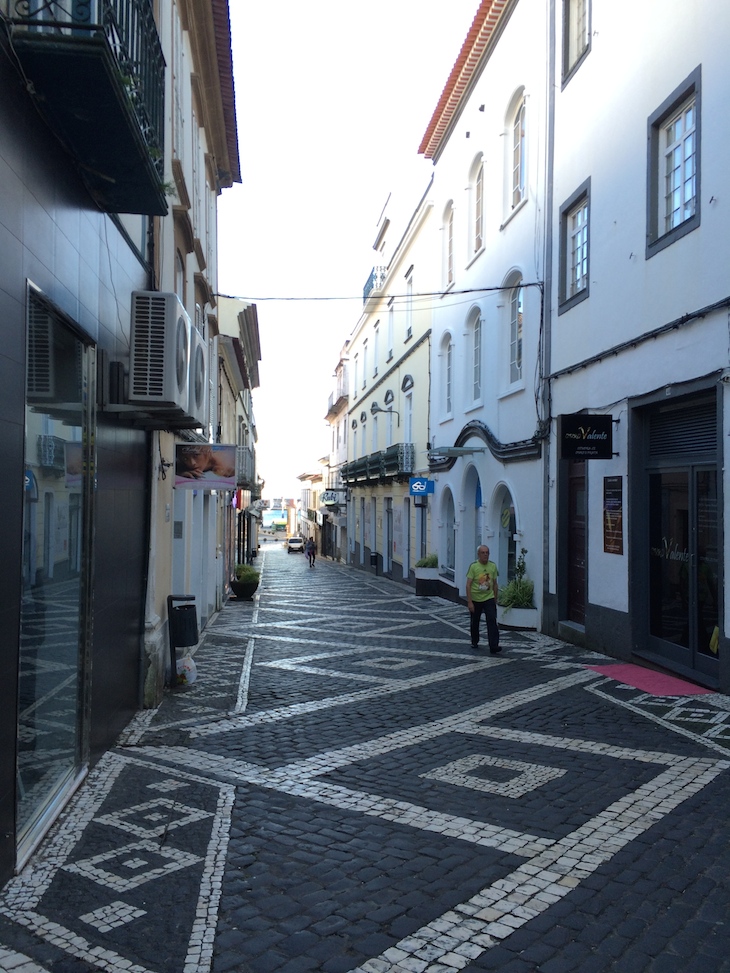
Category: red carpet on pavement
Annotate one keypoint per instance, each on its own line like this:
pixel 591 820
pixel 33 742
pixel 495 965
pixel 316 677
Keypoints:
pixel 649 681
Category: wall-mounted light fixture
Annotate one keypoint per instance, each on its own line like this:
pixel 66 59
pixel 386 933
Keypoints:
pixel 376 408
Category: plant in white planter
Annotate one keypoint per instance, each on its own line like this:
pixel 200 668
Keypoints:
pixel 430 562
pixel 516 598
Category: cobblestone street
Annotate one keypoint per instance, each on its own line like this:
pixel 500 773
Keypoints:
pixel 348 787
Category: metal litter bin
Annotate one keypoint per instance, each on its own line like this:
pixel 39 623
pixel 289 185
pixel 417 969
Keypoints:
pixel 182 626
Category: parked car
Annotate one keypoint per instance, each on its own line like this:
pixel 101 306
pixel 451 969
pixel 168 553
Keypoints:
pixel 295 544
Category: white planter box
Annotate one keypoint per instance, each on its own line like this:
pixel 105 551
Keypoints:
pixel 427 574
pixel 524 618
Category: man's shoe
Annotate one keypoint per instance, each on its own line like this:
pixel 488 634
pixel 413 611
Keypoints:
pixel 495 651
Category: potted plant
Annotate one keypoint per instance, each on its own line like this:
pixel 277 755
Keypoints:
pixel 427 575
pixel 515 607
pixel 246 582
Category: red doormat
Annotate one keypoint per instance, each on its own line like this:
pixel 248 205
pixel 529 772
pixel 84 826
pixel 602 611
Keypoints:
pixel 649 681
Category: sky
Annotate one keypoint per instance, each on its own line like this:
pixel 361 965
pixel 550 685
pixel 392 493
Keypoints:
pixel 332 101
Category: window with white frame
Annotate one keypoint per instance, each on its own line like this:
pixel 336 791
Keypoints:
pixel 374 440
pixel 376 348
pixel 391 326
pixel 447 369
pixel 448 241
pixel 475 358
pixel 365 363
pixel 574 248
pixel 518 154
pixel 576 34
pixel 516 309
pixel 408 417
pixel 409 304
pixel 476 205
pixel 355 372
pixel 673 190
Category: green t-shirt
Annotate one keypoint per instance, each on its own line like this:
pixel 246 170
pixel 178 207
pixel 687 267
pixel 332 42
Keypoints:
pixel 482 578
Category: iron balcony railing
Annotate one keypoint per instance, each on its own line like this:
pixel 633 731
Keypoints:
pixel 245 467
pixel 392 463
pixel 87 51
pixel 374 282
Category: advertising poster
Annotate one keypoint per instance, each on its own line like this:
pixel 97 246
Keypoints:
pixel 201 466
pixel 613 515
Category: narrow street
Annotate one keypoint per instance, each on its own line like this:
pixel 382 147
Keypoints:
pixel 348 787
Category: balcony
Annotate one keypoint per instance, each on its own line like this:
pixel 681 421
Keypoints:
pixel 394 463
pixel 97 74
pixel 337 402
pixel 52 454
pixel 374 282
pixel 245 468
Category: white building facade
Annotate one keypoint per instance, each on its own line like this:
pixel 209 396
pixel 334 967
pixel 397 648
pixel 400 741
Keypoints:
pixel 637 333
pixel 487 139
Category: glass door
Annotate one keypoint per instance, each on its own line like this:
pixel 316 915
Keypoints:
pixel 683 566
pixel 55 618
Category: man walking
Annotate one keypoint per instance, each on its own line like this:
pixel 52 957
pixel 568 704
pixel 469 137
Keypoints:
pixel 481 596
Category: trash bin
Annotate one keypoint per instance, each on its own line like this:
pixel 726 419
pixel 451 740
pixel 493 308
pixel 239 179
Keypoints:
pixel 374 561
pixel 183 625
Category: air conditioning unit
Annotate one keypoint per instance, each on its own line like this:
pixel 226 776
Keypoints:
pixel 159 368
pixel 198 381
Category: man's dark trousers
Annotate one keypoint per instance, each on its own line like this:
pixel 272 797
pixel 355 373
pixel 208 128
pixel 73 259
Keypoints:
pixel 489 607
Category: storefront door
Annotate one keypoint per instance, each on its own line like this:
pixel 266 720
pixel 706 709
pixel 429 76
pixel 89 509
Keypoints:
pixel 683 566
pixel 55 614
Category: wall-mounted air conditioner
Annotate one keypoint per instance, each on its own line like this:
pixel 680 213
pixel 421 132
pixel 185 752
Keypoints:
pixel 159 368
pixel 198 382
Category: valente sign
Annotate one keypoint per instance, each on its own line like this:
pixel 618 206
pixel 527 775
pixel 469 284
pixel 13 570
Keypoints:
pixel 583 436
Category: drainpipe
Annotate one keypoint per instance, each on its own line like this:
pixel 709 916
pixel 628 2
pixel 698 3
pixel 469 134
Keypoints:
pixel 546 397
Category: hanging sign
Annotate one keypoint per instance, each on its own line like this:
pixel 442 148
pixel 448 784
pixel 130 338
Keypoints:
pixel 584 436
pixel 204 466
pixel 418 486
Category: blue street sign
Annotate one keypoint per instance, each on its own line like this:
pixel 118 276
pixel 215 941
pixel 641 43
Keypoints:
pixel 421 485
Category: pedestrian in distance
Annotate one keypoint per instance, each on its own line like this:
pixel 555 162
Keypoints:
pixel 311 551
pixel 482 590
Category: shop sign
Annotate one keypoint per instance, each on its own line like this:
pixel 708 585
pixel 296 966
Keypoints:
pixel 584 436
pixel 613 515
pixel 205 466
pixel 419 486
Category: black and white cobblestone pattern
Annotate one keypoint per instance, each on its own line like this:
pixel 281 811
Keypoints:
pixel 349 787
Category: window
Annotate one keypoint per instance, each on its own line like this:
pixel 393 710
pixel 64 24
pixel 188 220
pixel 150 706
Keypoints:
pixel 355 368
pixel 476 188
pixel 374 441
pixel 576 34
pixel 391 318
pixel 673 190
pixel 365 363
pixel 475 364
pixel 574 248
pixel 376 348
pixel 409 304
pixel 447 366
pixel 408 418
pixel 518 155
pixel 449 246
pixel 516 306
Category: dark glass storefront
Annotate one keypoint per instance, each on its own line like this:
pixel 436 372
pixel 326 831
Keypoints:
pixel 683 537
pixel 54 621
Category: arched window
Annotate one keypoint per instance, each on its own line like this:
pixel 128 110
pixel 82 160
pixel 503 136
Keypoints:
pixel 518 154
pixel 447 373
pixel 516 309
pixel 474 376
pixel 476 205
pixel 448 242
